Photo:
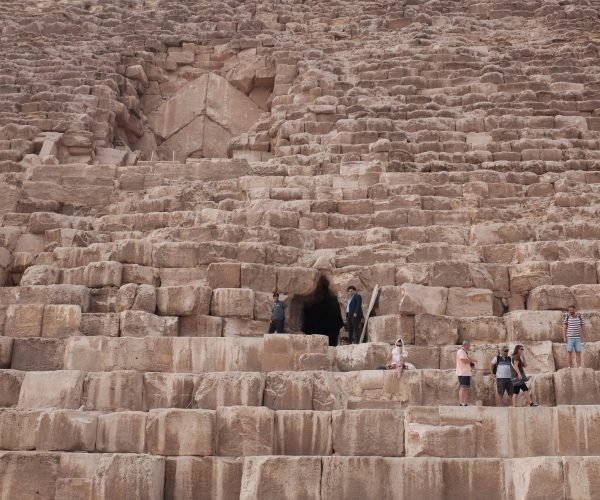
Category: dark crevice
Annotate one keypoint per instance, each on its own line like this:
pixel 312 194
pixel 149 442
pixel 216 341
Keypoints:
pixel 321 313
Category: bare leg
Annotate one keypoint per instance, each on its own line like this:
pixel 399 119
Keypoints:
pixel 498 399
pixel 528 397
pixel 578 357
pixel 570 356
pixel 463 394
pixel 399 369
pixel 514 400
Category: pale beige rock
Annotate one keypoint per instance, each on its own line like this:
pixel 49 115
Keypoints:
pixel 576 386
pixel 58 389
pixel 366 356
pixel 586 296
pixel 245 431
pixel 389 327
pixel 435 330
pixel 534 325
pixel 288 391
pixel 469 302
pixel 106 324
pixel 212 390
pixel 283 351
pixel 10 381
pixel 142 324
pixel 529 275
pixel 113 391
pixel 296 280
pixel 24 475
pixel 224 275
pixel 418 299
pixel 530 477
pixel 61 321
pixel 207 478
pixel 67 430
pixel 40 275
pixel 550 297
pixel 24 320
pixel 368 432
pixel 181 432
pixel 482 329
pixel 122 432
pixel 232 302
pixel 167 390
pixel 300 432
pixel 240 327
pixel 200 326
pixel 18 429
pixel 262 478
pixel 183 300
pixel 99 274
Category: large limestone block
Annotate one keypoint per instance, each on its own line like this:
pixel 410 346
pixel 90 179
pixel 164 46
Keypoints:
pixel 474 478
pixel 212 390
pixel 198 325
pixel 581 476
pixel 106 273
pixel 133 251
pixel 435 330
pixel 239 327
pixel 542 385
pixel 368 432
pixel 576 386
pixel 6 348
pixel 67 430
pixel 470 302
pixel 297 280
pixel 225 354
pixel 575 272
pixel 550 297
pixel 28 476
pixel 105 324
pixel 534 477
pixel 181 432
pixel 389 327
pixel 167 390
pixel 534 325
pixel 423 440
pixel 207 478
pixel 143 324
pixel 175 254
pixel 366 356
pixel 24 320
pixel 529 275
pixel 61 321
pixel 245 431
pixel 576 436
pixel 40 275
pixel 586 296
pixel 113 391
pixel 224 275
pixel 18 429
pixel 129 476
pixel 58 389
pixel 136 297
pixel 288 391
pixel 540 442
pixel 183 300
pixel 122 432
pixel 284 351
pixel 419 299
pixel 388 301
pixel 262 478
pixel 482 329
pixel 258 277
pixel 10 387
pixel 232 302
pixel 303 432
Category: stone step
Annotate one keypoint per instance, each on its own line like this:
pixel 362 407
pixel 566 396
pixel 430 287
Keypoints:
pixel 278 390
pixel 110 475
pixel 239 431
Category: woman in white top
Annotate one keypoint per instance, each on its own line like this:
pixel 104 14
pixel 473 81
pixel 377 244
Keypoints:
pixel 396 359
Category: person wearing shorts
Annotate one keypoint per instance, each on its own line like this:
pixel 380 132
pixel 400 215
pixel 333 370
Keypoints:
pixel 502 372
pixel 573 333
pixel 519 377
pixel 464 370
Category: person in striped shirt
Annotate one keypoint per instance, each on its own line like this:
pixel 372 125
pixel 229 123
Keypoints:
pixel 573 334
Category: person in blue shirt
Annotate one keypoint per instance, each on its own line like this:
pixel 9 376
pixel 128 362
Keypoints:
pixel 354 315
pixel 277 315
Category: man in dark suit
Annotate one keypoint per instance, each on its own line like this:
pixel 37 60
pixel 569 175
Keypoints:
pixel 354 314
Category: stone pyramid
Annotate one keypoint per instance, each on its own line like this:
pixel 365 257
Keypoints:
pixel 166 165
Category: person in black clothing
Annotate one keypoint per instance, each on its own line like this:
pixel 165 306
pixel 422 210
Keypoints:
pixel 354 315
pixel 277 315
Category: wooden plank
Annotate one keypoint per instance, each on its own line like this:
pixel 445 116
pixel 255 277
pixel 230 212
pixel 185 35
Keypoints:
pixel 374 296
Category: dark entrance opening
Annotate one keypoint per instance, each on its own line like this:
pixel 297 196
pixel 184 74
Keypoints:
pixel 321 313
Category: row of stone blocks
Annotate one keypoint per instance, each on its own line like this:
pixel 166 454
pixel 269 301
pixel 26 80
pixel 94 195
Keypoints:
pixel 104 476
pixel 450 432
pixel 309 390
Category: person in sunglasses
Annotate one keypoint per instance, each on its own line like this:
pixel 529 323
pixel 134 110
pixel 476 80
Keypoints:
pixel 519 378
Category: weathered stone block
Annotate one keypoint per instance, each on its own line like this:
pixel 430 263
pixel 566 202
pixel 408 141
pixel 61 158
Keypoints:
pixel 38 354
pixel 24 320
pixel 6 348
pixel 470 302
pixel 200 326
pixel 550 297
pixel 143 324
pixel 245 431
pixel 106 324
pixel 212 390
pixel 167 390
pixel 58 389
pixel 389 327
pixel 66 430
pixel 418 299
pixel 10 383
pixel 232 302
pixel 18 429
pixel 303 432
pixel 181 432
pixel 534 325
pixel 288 391
pixel 283 351
pixel 113 391
pixel 61 321
pixel 183 300
pixel 122 432
pixel 297 280
pixel 435 330
pixel 224 275
pixel 106 273
pixel 482 329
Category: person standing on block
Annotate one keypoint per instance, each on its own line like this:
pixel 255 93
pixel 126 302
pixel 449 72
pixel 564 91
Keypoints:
pixel 519 377
pixel 277 314
pixel 502 373
pixel 354 314
pixel 573 334
pixel 464 370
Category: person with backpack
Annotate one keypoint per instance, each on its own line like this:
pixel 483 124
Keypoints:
pixel 519 378
pixel 573 334
pixel 502 373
